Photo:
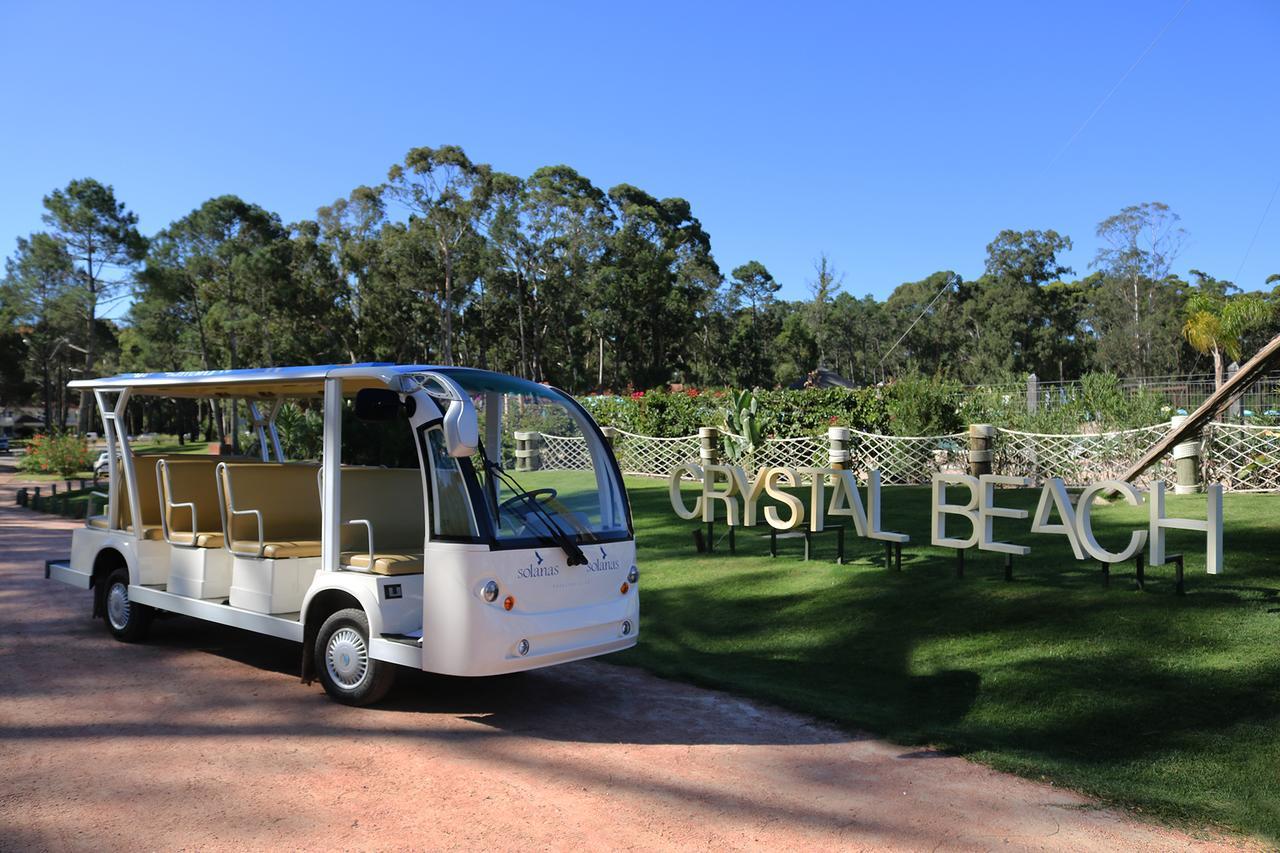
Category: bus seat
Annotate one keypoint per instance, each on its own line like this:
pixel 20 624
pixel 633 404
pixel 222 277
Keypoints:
pixel 144 467
pixel 191 480
pixel 391 500
pixel 285 495
pixel 384 563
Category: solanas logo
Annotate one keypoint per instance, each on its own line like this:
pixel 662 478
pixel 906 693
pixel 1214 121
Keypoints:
pixel 603 563
pixel 539 569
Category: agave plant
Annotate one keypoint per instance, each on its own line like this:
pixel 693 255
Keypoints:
pixel 742 429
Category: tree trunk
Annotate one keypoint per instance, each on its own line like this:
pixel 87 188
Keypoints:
pixel 85 417
pixel 446 310
pixel 47 393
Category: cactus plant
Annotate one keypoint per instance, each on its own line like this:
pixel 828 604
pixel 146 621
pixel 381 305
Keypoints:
pixel 742 431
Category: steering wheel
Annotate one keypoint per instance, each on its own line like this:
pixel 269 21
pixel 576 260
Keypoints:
pixel 545 495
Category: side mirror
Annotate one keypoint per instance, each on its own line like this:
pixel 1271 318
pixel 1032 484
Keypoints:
pixel 461 424
pixel 461 428
pixel 377 404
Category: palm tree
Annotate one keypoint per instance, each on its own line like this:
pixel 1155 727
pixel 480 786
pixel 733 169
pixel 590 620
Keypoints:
pixel 1217 324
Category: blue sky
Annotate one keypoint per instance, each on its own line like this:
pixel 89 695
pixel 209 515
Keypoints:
pixel 898 138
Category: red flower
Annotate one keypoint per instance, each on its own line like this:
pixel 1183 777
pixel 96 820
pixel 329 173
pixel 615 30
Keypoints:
pixel 692 392
pixel 637 395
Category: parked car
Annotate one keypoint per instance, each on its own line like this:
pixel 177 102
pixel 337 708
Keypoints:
pixel 100 467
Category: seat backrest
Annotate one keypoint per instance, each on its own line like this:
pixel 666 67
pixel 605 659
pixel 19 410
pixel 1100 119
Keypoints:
pixel 391 499
pixel 285 494
pixel 144 469
pixel 192 480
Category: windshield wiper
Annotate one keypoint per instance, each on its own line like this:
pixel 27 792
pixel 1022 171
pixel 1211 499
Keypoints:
pixel 575 555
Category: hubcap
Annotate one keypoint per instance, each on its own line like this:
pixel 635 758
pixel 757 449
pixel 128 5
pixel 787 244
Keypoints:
pixel 347 658
pixel 118 606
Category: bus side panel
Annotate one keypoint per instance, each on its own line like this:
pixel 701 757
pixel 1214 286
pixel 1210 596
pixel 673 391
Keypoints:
pixel 148 561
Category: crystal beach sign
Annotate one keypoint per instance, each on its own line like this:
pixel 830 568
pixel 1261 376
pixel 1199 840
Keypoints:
pixel 975 510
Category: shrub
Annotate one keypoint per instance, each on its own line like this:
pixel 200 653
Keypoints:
pixel 61 453
pixel 918 405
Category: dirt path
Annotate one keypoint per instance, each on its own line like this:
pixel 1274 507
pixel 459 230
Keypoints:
pixel 204 738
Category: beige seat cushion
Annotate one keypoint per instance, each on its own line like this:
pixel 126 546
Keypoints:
pixel 384 563
pixel 278 550
pixel 149 531
pixel 201 540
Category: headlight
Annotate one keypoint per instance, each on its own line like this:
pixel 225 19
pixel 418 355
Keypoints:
pixel 490 591
pixel 633 575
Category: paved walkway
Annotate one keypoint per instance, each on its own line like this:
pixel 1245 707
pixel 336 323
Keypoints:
pixel 203 737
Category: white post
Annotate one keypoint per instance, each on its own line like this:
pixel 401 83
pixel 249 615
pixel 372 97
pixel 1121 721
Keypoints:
pixel 113 469
pixel 1186 461
pixel 838 455
pixel 331 472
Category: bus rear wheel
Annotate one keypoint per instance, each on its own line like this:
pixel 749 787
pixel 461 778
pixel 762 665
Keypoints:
pixel 348 672
pixel 127 621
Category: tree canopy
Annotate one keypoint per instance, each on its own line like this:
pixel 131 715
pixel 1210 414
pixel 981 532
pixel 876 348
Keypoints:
pixel 554 278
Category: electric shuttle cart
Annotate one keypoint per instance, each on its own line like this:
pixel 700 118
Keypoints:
pixel 471 558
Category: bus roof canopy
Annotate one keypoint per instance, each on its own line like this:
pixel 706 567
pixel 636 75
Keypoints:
pixel 301 381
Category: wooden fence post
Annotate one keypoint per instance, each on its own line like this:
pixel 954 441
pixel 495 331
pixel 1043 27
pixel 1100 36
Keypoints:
pixel 838 455
pixel 709 437
pixel 528 454
pixel 981 439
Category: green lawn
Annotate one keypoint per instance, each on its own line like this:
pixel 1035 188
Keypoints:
pixel 1166 704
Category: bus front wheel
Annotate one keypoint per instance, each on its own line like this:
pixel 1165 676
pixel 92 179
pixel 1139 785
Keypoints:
pixel 126 620
pixel 346 669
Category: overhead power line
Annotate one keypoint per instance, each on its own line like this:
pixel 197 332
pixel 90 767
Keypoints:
pixel 1256 232
pixel 1119 82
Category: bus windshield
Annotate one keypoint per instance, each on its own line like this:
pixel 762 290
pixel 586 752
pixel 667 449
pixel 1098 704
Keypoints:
pixel 542 473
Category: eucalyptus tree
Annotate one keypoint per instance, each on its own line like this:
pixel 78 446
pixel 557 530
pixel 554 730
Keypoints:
pixel 351 227
pixel 1137 312
pixel 448 194
pixel 926 320
pixel 101 236
pixel 656 272
pixel 1006 310
pixel 860 337
pixel 570 223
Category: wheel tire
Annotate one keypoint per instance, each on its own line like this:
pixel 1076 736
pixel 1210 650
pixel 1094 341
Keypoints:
pixel 127 621
pixel 346 670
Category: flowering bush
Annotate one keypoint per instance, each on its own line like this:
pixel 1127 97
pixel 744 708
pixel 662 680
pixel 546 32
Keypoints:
pixel 62 453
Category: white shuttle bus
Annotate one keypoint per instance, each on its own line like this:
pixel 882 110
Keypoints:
pixel 436 544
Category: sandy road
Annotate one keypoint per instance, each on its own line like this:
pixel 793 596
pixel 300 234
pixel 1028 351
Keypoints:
pixel 204 738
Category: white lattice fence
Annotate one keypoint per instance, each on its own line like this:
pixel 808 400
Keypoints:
pixel 908 459
pixel 647 455
pixel 802 452
pixel 565 453
pixel 1078 459
pixel 1243 458
pixel 653 456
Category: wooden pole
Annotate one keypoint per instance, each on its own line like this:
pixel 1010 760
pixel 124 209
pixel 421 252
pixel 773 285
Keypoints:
pixel 1217 401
